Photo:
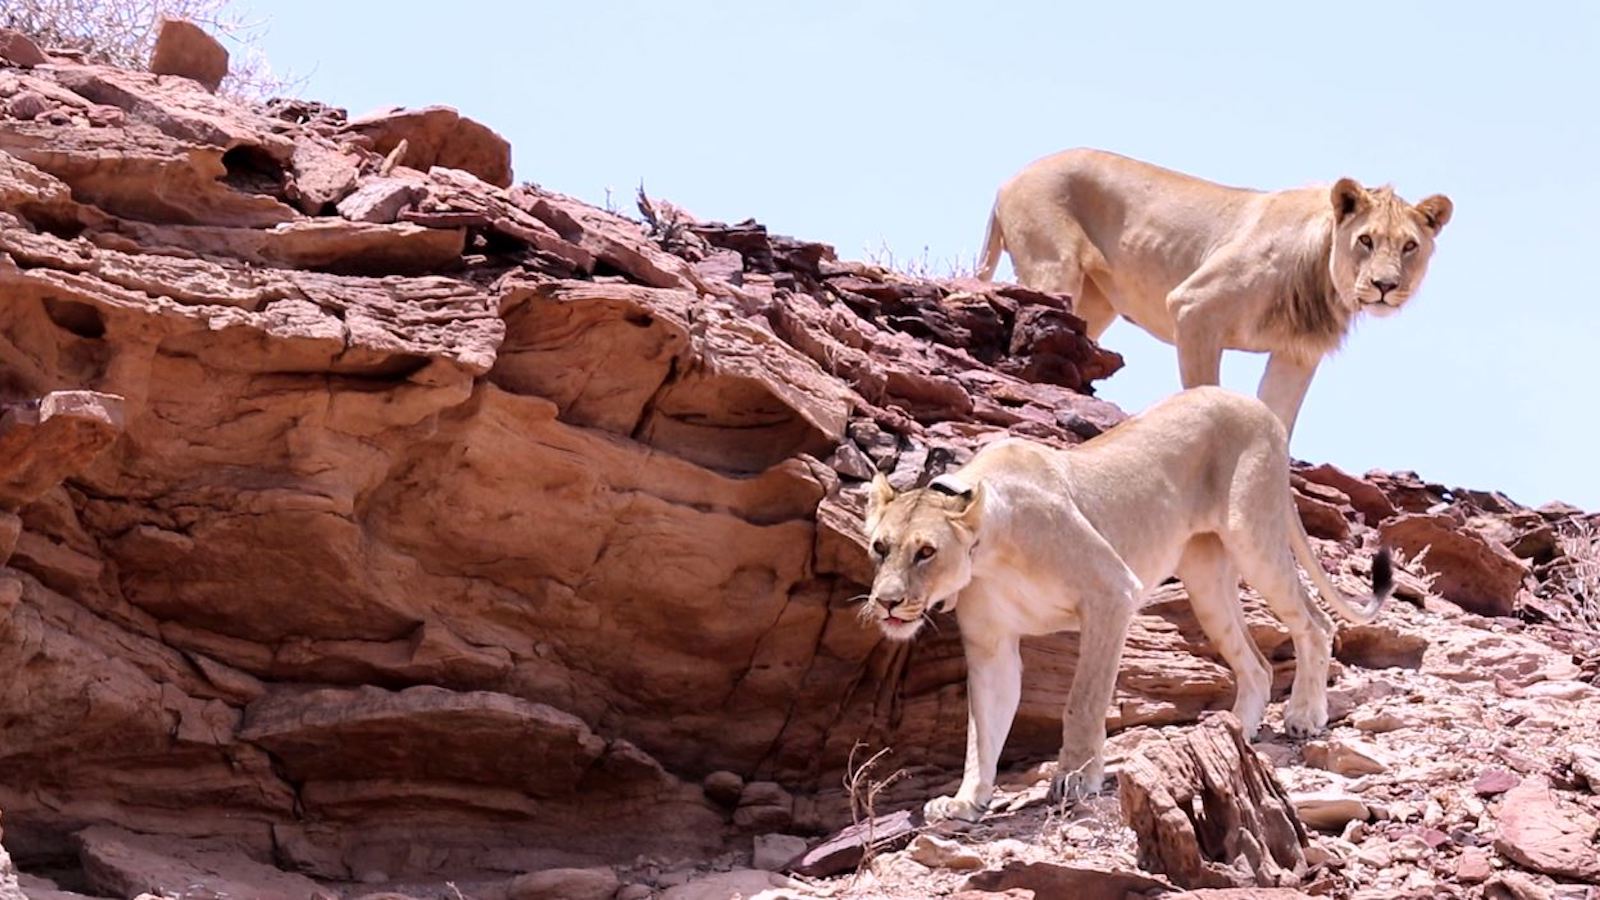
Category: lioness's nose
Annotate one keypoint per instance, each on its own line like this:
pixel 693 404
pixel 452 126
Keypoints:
pixel 887 603
pixel 1384 287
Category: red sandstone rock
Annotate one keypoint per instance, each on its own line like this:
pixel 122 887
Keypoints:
pixel 18 49
pixel 1209 813
pixel 1481 576
pixel 438 136
pixel 1536 833
pixel 183 48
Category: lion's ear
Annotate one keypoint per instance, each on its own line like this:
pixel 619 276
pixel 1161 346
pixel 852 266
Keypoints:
pixel 1436 210
pixel 879 495
pixel 1348 198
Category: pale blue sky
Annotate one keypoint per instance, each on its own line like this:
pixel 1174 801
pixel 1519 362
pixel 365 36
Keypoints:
pixel 868 123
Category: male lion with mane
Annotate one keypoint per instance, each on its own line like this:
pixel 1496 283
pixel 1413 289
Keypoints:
pixel 1030 540
pixel 1208 267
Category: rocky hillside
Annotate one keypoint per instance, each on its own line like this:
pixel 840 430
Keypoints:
pixel 370 521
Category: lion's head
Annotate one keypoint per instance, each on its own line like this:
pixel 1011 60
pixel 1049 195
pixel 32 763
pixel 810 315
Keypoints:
pixel 1381 244
pixel 921 543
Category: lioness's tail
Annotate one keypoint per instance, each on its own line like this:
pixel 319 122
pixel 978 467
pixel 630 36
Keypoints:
pixel 993 243
pixel 1382 575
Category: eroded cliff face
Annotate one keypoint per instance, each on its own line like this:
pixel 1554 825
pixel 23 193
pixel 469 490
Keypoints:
pixel 417 502
pixel 373 516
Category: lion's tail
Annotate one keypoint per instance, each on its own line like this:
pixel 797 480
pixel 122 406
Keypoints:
pixel 993 242
pixel 1382 576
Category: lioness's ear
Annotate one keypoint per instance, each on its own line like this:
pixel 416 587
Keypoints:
pixel 1436 210
pixel 970 510
pixel 879 495
pixel 1348 197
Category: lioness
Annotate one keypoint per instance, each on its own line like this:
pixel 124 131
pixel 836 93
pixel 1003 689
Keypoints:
pixel 1030 540
pixel 1208 267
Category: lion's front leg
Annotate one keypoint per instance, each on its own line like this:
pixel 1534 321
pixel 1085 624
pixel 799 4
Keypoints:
pixel 994 687
pixel 1081 768
pixel 1283 387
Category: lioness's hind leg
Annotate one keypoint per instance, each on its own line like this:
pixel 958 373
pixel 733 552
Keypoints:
pixel 1263 556
pixel 1048 247
pixel 1090 305
pixel 1213 588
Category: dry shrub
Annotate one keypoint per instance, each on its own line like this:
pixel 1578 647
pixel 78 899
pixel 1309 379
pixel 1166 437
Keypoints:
pixel 1580 545
pixel 123 33
pixel 863 786
pixel 924 267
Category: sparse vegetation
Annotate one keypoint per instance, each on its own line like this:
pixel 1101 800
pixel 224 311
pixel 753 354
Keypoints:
pixel 863 788
pixel 1581 548
pixel 123 32
pixel 923 267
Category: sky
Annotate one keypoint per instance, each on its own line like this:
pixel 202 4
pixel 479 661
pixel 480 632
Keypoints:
pixel 888 126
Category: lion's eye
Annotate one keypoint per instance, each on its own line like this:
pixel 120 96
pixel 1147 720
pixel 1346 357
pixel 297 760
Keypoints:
pixel 1410 246
pixel 1365 240
pixel 924 553
pixel 880 548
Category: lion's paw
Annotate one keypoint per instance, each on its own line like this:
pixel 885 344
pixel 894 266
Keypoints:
pixel 1068 787
pixel 1304 720
pixel 940 808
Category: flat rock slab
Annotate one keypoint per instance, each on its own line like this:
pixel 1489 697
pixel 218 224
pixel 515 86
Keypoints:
pixel 1076 882
pixel 844 850
pixel 121 863
pixel 1538 834
pixel 427 733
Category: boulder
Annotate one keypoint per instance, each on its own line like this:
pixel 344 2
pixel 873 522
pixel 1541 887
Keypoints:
pixel 438 136
pixel 183 48
pixel 1478 575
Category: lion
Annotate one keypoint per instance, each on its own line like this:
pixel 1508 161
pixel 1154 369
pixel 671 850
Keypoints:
pixel 1030 540
pixel 1208 267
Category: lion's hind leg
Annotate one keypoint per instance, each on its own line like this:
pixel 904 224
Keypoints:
pixel 1213 587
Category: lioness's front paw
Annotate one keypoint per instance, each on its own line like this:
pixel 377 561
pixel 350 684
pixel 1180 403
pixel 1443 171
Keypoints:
pixel 940 808
pixel 1303 720
pixel 1068 787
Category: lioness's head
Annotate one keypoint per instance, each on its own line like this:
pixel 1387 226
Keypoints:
pixel 1381 244
pixel 921 543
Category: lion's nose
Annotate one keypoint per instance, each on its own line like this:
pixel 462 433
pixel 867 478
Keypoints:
pixel 888 603
pixel 1384 287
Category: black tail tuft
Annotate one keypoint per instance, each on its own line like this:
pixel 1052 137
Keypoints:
pixel 1382 573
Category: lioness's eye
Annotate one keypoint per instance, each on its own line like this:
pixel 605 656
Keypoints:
pixel 924 553
pixel 1410 246
pixel 1365 240
pixel 880 548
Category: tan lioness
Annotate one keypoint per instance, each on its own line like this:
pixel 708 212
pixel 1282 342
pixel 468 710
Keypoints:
pixel 1208 267
pixel 1029 540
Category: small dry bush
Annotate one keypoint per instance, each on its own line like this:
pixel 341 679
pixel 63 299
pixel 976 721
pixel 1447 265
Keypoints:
pixel 123 33
pixel 922 267
pixel 1581 547
pixel 863 785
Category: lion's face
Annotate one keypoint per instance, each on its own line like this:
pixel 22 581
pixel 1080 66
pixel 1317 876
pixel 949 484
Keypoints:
pixel 921 544
pixel 1381 244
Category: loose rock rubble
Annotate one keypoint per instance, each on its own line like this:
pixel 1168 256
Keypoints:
pixel 370 523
